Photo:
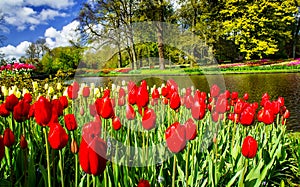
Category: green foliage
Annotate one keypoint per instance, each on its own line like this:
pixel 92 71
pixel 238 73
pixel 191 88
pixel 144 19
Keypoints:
pixel 257 27
pixel 61 58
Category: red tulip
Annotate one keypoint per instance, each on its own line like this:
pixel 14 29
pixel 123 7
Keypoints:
pixel 23 142
pixel 221 105
pixel 214 90
pixel 57 136
pixel 215 116
pixel 249 147
pixel 175 137
pixel 86 91
pixel 198 110
pixel 132 95
pixel 92 150
pixel 142 95
pixel 42 111
pixel 155 94
pixel 104 106
pixel 175 101
pixel 92 155
pixel 143 183
pixel 91 130
pixel 246 96
pixel 227 94
pixel 70 122
pixel 63 101
pixel 190 129
pixel 75 86
pixel 130 113
pixel 286 114
pixel 164 91
pixel 165 101
pixel 247 116
pixel 122 92
pixel 31 111
pixel 172 87
pixel 57 110
pixel 21 111
pixel 281 101
pixel 93 110
pixel 8 137
pixel 10 102
pixel 72 93
pixel 116 123
pixel 3 111
pixel 264 98
pixel 2 148
pixel 121 101
pixel 234 95
pixel 149 119
pixel 27 98
pixel 275 107
pixel 268 116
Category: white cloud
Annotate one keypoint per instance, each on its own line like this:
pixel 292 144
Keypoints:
pixel 18 51
pixel 23 15
pixel 49 14
pixel 54 38
pixel 59 4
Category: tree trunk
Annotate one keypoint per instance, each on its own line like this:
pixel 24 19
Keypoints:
pixel 296 38
pixel 160 45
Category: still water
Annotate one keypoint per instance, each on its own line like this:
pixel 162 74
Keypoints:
pixel 286 85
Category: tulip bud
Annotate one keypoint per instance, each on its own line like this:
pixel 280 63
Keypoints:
pixel 74 147
pixel 2 148
pixel 23 142
pixel 8 137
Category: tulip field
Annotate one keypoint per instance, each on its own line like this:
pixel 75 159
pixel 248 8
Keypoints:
pixel 133 134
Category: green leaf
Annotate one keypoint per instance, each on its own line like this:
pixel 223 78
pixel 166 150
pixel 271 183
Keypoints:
pixel 232 180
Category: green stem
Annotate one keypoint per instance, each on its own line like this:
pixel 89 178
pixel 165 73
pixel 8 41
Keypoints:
pixel 186 166
pixel 76 170
pixel 61 168
pixel 174 171
pixel 47 156
pixel 88 180
pixel 241 182
pixel 11 167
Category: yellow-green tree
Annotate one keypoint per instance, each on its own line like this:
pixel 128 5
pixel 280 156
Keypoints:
pixel 258 27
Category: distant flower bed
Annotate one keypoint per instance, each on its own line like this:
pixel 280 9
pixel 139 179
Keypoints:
pixel 17 67
pixel 123 70
pixel 294 63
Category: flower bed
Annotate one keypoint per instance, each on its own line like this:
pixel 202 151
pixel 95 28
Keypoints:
pixel 132 135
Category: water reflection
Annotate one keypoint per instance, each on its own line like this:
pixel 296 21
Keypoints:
pixel 286 85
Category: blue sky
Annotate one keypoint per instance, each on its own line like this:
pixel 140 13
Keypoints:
pixel 25 21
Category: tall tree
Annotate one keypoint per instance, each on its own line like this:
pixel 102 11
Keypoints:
pixel 110 22
pixel 159 11
pixel 257 27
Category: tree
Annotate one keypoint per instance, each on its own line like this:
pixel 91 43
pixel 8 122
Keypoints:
pixel 257 27
pixel 159 11
pixel 109 23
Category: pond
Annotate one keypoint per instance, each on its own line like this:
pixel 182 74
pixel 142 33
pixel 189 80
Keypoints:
pixel 286 85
